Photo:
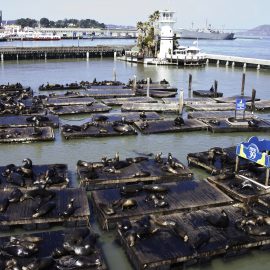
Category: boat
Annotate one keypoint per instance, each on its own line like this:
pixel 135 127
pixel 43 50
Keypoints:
pixel 206 33
pixel 187 56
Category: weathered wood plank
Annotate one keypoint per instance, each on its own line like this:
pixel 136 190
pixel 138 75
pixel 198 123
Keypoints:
pixel 180 197
pixel 150 107
pixel 166 126
pixel 54 101
pixel 26 134
pixel 216 115
pixel 121 101
pixel 212 107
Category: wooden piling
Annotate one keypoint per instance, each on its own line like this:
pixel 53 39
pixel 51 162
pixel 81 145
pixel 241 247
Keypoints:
pixel 181 102
pixel 243 84
pixel 215 88
pixel 148 87
pixel 253 100
pixel 189 82
pixel 114 74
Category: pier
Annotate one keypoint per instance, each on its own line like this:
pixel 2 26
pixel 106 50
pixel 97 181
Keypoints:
pixel 237 61
pixel 19 53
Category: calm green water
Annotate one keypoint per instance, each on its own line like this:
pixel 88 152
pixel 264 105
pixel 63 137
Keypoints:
pixel 35 73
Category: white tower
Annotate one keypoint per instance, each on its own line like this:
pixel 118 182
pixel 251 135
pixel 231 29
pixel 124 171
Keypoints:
pixel 166 23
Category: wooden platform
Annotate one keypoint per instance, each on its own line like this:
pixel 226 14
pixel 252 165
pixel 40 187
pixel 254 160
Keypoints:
pixel 223 160
pixel 166 126
pixel 156 93
pixel 233 99
pixel 26 134
pixel 121 101
pixel 38 173
pixel 212 107
pixel 261 105
pixel 28 121
pixel 202 115
pixel 182 196
pixel 53 101
pixel 165 248
pixel 206 93
pixel 236 188
pixel 150 107
pixel 224 126
pixel 102 93
pixel 19 215
pixel 189 101
pixel 50 241
pixel 146 171
pixel 129 117
pixel 95 129
pixel 79 109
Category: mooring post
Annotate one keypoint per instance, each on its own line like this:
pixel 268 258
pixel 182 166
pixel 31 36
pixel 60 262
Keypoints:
pixel 217 62
pixel 227 63
pixel 258 67
pixel 233 64
pixel 267 176
pixel 237 164
pixel 45 56
pixel 135 83
pixel 189 82
pixel 2 57
pixel 87 55
pixel 114 55
pixel 114 74
pixel 17 57
pixel 243 84
pixel 181 101
pixel 148 88
pixel 245 65
pixel 253 101
pixel 215 88
pixel 207 61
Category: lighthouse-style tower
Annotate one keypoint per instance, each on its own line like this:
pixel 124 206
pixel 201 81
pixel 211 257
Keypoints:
pixel 166 23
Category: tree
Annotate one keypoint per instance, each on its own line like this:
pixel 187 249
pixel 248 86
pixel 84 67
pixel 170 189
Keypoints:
pixel 147 42
pixel 44 22
pixel 27 22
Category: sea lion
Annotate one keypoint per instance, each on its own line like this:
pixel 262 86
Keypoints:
pixel 19 250
pixel 128 204
pixel 155 188
pixel 143 115
pixel 37 132
pixel 70 210
pixel 59 252
pixel 38 192
pixel 131 189
pixel 124 225
pixel 141 174
pixel 44 209
pixel 202 239
pixel 27 168
pixel 130 237
pixel 101 118
pixel 136 159
pixel 122 128
pixel 179 121
pixel 218 220
pixel 169 168
pixel 15 195
pixel 4 203
pixel 16 178
pixel 8 169
pixel 76 262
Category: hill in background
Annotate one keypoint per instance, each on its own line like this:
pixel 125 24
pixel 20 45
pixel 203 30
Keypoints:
pixel 259 31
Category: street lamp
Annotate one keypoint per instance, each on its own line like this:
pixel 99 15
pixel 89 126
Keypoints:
pixel 78 41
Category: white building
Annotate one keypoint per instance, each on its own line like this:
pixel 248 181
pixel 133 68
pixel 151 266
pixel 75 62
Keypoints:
pixel 166 23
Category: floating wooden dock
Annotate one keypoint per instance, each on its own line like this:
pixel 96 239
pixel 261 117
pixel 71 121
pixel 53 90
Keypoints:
pixel 226 126
pixel 110 93
pixel 206 93
pixel 95 129
pixel 233 99
pixel 129 117
pixel 237 188
pixel 19 214
pixel 189 101
pixel 216 161
pixel 146 171
pixel 165 249
pixel 28 121
pixel 53 101
pixel 166 126
pixel 212 107
pixel 150 107
pixel 54 240
pixel 182 196
pixel 121 101
pixel 216 115
pixel 33 179
pixel 261 105
pixel 79 109
pixel 26 134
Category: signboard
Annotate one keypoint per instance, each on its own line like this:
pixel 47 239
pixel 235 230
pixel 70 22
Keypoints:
pixel 240 104
pixel 253 151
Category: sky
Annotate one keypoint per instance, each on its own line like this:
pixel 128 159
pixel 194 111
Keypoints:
pixel 222 14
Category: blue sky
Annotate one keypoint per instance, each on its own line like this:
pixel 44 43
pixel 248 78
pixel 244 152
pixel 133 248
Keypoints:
pixel 235 14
